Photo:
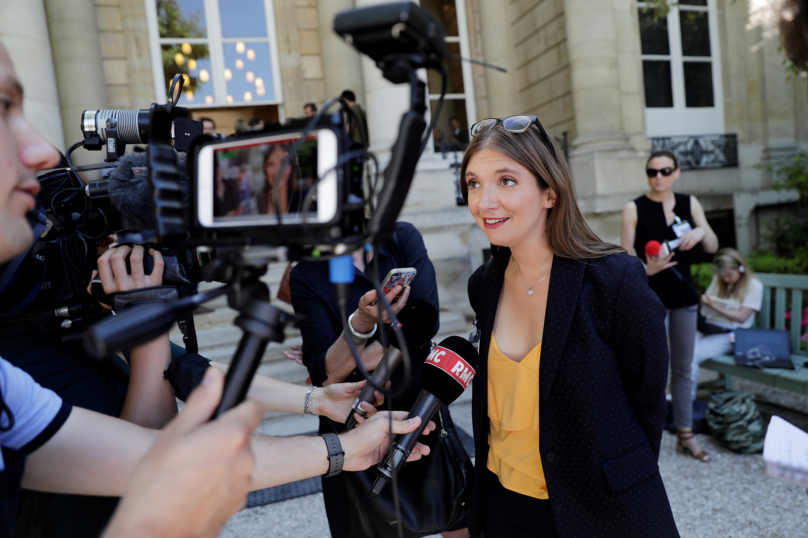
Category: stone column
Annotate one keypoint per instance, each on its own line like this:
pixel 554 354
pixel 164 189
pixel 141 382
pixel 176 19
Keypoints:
pixel 78 63
pixel 24 33
pixel 605 166
pixel 385 102
pixel 498 49
pixel 342 67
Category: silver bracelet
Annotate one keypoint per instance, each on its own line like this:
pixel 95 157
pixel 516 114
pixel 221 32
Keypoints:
pixel 307 404
pixel 366 336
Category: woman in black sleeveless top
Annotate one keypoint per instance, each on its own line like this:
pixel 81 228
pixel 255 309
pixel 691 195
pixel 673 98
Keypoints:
pixel 657 217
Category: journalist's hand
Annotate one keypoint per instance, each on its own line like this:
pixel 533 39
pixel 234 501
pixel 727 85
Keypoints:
pixel 335 401
pixel 294 353
pixel 706 300
pixel 367 443
pixel 658 263
pixel 367 315
pixel 691 239
pixel 196 475
pixel 114 276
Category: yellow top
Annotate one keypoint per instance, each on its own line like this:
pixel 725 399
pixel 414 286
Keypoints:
pixel 513 408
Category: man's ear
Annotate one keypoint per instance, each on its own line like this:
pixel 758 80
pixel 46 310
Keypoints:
pixel 550 198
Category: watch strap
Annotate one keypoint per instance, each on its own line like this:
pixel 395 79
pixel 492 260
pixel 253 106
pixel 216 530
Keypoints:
pixel 336 456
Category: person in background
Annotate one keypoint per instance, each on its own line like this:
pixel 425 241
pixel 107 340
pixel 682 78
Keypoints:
pixel 241 126
pixel 208 126
pixel 460 135
pixel 309 110
pixel 357 128
pixel 662 215
pixel 256 124
pixel 730 302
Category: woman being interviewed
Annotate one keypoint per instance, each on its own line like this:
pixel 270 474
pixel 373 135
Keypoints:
pixel 569 399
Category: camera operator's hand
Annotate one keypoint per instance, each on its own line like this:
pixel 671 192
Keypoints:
pixel 149 398
pixel 114 275
pixel 335 401
pixel 196 475
pixel 367 314
pixel 367 443
pixel 656 264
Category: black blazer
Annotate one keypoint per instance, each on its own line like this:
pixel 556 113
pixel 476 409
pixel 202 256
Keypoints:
pixel 602 377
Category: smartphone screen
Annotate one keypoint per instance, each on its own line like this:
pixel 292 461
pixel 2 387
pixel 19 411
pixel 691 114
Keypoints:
pixel 238 180
pixel 398 277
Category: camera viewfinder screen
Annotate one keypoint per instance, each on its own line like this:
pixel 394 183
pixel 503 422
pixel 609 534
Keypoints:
pixel 245 178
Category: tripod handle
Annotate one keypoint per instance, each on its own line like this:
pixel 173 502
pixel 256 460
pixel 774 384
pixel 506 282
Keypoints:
pixel 136 326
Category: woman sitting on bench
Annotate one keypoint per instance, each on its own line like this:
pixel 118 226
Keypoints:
pixel 730 303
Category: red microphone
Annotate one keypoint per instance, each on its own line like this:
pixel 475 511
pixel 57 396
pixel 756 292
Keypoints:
pixel 652 249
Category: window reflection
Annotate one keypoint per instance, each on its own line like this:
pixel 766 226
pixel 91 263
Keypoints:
pixel 243 18
pixel 248 79
pixel 181 18
pixel 454 72
pixel 194 67
pixel 653 32
pixel 446 13
pixel 658 87
pixel 695 33
pixel 698 84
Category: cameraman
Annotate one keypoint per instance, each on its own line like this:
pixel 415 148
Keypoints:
pixel 187 480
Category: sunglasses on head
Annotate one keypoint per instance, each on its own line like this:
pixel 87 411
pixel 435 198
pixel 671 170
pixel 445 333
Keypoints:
pixel 667 171
pixel 514 124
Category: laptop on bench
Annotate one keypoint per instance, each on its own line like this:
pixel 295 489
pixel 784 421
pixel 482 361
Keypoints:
pixel 763 349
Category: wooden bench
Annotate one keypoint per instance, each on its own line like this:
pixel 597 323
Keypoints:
pixel 779 287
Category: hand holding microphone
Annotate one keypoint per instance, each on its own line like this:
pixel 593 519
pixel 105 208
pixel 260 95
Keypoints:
pixel 447 372
pixel 417 321
pixel 658 256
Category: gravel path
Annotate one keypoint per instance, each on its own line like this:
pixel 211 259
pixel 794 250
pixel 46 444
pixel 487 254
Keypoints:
pixel 732 497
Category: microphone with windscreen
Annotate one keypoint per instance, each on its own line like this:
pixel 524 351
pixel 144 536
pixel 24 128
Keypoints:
pixel 447 372
pixel 417 320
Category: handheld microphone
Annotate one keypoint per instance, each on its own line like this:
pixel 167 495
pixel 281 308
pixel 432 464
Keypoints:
pixel 652 249
pixel 447 372
pixel 655 248
pixel 417 321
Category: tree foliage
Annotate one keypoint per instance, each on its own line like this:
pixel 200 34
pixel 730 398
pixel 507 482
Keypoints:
pixel 174 23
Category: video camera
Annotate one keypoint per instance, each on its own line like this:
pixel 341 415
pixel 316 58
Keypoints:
pixel 282 194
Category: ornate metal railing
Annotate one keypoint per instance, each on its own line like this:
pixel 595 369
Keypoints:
pixel 700 151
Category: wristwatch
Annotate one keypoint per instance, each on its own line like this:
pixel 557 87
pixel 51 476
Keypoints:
pixel 336 456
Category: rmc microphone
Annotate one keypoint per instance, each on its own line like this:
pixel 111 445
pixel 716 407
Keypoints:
pixel 417 319
pixel 447 372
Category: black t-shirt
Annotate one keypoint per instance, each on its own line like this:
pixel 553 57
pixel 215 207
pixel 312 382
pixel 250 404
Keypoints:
pixel 673 286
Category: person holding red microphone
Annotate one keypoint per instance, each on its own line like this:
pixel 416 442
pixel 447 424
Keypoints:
pixel 662 227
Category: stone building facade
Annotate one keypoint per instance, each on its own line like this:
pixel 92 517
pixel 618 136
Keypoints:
pixel 607 77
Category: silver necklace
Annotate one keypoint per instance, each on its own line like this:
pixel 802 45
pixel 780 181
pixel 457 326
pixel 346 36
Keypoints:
pixel 530 288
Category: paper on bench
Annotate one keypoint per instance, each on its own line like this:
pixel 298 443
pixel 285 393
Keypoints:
pixel 786 452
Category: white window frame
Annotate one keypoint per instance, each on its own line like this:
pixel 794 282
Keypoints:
pixel 468 82
pixel 216 43
pixel 680 120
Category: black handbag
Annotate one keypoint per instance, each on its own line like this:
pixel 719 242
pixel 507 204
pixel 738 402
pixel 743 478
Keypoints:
pixel 434 492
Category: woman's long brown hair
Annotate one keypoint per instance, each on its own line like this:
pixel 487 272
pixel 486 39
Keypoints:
pixel 567 232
